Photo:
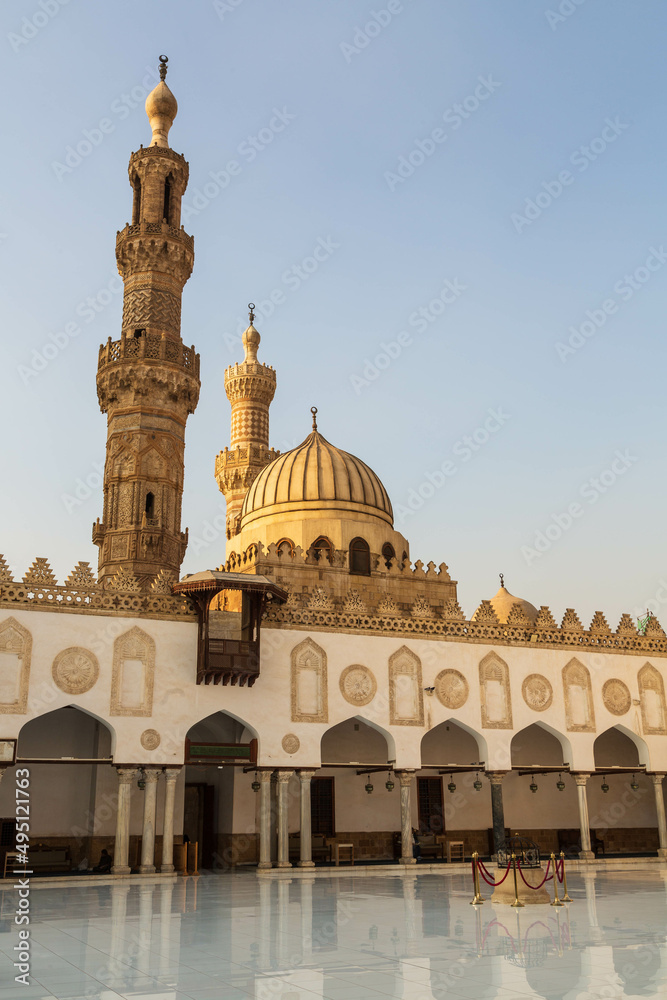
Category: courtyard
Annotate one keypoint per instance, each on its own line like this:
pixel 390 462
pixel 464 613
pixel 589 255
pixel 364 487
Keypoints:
pixel 233 936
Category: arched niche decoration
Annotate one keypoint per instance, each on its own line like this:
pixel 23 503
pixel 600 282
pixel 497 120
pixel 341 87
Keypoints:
pixel 406 697
pixel 15 653
pixel 579 712
pixel 652 700
pixel 133 673
pixel 309 683
pixel 495 696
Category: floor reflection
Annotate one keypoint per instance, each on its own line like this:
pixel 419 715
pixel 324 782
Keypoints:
pixel 416 937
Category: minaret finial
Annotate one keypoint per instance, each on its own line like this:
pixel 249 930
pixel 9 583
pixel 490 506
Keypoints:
pixel 251 314
pixel 251 338
pixel 161 108
pixel 502 579
pixel 313 410
pixel 163 67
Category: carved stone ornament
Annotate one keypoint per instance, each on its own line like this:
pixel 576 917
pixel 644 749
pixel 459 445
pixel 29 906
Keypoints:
pixel 537 692
pixel 75 670
pixel 616 697
pixel 358 684
pixel 451 688
pixel 291 743
pixel 150 739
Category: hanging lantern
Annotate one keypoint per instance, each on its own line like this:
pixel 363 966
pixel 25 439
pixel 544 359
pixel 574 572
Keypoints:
pixel 560 784
pixel 451 786
pixel 389 784
pixel 141 784
pixel 368 786
pixel 256 785
pixel 477 784
pixel 604 786
pixel 634 784
pixel 533 786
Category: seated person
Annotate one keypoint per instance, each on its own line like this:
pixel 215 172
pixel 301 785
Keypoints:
pixel 106 862
pixel 416 849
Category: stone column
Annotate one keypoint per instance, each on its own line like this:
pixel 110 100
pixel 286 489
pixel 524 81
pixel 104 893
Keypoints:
pixel 306 857
pixel 170 777
pixel 265 819
pixel 121 849
pixel 586 852
pixel 147 866
pixel 283 820
pixel 657 780
pixel 407 853
pixel 497 810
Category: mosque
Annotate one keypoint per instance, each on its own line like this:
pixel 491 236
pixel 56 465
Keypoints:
pixel 319 696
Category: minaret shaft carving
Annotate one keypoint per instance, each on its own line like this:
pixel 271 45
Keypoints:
pixel 148 381
pixel 250 387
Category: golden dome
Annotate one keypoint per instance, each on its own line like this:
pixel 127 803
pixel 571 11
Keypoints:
pixel 503 603
pixel 161 108
pixel 319 477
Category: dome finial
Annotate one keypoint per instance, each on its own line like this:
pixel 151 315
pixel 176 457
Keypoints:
pixel 161 108
pixel 502 579
pixel 313 410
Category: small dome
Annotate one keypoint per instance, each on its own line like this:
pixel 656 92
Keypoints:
pixel 161 108
pixel 503 603
pixel 316 476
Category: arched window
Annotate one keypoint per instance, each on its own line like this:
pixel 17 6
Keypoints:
pixel 136 204
pixel 285 547
pixel 150 506
pixel 388 553
pixel 167 200
pixel 360 557
pixel 322 548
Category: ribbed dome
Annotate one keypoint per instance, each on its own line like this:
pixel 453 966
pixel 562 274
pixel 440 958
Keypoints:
pixel 503 603
pixel 316 476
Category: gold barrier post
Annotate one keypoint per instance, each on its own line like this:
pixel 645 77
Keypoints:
pixel 196 847
pixel 556 901
pixel 516 887
pixel 478 898
pixel 566 898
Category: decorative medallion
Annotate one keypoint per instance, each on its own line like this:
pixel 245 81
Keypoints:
pixel 451 688
pixel 150 739
pixel 616 697
pixel 291 743
pixel 537 692
pixel 75 670
pixel 358 684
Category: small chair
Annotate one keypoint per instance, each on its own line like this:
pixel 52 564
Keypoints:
pixel 14 856
pixel 345 847
pixel 456 848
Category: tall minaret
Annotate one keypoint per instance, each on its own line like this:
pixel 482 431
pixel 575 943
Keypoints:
pixel 148 381
pixel 250 387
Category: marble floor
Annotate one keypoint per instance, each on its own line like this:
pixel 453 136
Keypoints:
pixel 230 937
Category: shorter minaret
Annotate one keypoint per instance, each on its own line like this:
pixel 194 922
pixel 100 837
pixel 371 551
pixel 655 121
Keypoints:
pixel 250 387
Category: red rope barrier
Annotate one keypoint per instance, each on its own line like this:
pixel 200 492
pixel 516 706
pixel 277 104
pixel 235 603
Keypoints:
pixel 484 873
pixel 562 869
pixel 547 876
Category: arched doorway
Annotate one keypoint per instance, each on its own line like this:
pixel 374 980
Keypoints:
pixel 219 804
pixel 350 802
pixel 72 797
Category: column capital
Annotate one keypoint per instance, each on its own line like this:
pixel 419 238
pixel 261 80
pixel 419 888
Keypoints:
pixel 126 775
pixel 265 777
pixel 405 777
pixel 580 777
pixel 283 776
pixel 306 773
pixel 152 773
pixel 495 777
pixel 171 773
pixel 657 778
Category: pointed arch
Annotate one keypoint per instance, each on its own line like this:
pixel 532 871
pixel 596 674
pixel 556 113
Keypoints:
pixel 555 750
pixel 435 744
pixel 212 721
pixel 62 732
pixel 309 695
pixel 133 673
pixel 406 694
pixel 619 746
pixel 353 748
pixel 15 656
pixel 579 712
pixel 652 700
pixel 495 694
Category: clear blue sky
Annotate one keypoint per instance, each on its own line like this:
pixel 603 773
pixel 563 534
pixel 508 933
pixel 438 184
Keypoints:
pixel 578 96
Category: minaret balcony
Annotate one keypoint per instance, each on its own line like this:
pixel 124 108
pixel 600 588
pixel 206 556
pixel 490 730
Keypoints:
pixel 148 347
pixel 156 229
